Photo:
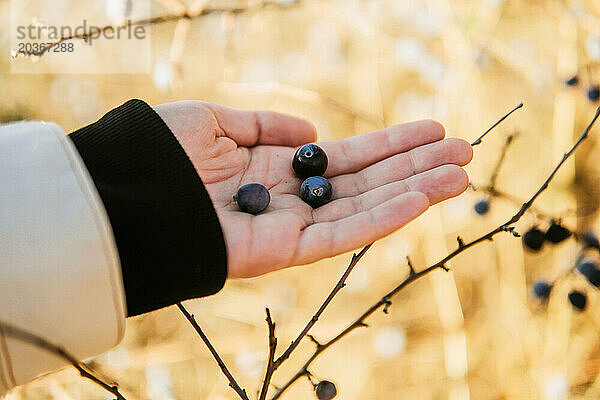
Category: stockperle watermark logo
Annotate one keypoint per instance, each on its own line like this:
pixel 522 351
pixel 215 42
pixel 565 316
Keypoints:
pixel 75 36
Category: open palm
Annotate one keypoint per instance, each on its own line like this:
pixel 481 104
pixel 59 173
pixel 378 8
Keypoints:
pixel 381 181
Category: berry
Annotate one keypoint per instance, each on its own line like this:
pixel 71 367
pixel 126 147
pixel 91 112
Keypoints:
pixel 593 93
pixel 572 81
pixel 590 271
pixel 542 289
pixel 556 233
pixel 586 268
pixel 533 239
pixel 316 191
pixel 252 198
pixel 578 300
pixel 309 160
pixel 325 390
pixel 482 207
pixel 591 240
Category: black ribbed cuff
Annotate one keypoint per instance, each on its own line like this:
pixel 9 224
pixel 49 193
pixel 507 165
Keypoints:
pixel 166 229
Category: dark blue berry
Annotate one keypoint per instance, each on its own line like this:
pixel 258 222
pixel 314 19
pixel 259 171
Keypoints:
pixel 482 207
pixel 252 198
pixel 572 81
pixel 556 233
pixel 590 271
pixel 309 160
pixel 590 240
pixel 316 191
pixel 578 300
pixel 593 93
pixel 325 390
pixel 534 239
pixel 542 289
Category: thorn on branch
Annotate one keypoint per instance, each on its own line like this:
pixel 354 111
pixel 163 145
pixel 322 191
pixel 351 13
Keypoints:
pixel 314 340
pixel 461 242
pixel 387 305
pixel 410 265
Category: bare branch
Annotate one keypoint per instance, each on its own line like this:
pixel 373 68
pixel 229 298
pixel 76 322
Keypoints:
pixel 84 370
pixel 506 227
pixel 271 359
pixel 341 283
pixel 496 170
pixel 97 31
pixel 480 138
pixel 232 382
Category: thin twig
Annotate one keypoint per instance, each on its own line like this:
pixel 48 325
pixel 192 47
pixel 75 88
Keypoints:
pixel 480 138
pixel 496 170
pixel 232 382
pixel 84 370
pixel 341 283
pixel 506 227
pixel 271 360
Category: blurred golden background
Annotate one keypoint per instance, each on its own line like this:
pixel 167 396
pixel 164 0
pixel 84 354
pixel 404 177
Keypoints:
pixel 351 66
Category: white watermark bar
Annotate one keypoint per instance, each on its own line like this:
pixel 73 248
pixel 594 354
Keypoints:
pixel 74 36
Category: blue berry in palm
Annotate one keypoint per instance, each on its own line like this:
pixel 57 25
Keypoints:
pixel 325 390
pixel 542 289
pixel 252 198
pixel 578 300
pixel 590 271
pixel 316 191
pixel 572 81
pixel 556 233
pixel 482 207
pixel 534 239
pixel 593 93
pixel 309 160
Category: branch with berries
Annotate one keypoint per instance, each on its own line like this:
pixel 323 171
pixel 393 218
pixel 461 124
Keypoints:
pixel 309 163
pixel 556 232
pixel 575 297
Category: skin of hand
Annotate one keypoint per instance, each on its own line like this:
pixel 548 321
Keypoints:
pixel 381 181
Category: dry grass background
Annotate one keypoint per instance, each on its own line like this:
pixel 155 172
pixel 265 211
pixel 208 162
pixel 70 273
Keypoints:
pixel 351 66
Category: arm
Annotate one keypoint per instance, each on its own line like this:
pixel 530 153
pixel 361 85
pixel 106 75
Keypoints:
pixel 59 270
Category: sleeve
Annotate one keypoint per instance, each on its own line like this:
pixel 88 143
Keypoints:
pixel 59 270
pixel 167 232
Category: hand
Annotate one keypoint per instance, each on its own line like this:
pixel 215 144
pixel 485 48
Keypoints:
pixel 381 181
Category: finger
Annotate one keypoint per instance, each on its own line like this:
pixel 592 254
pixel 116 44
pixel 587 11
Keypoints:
pixel 402 166
pixel 438 184
pixel 331 238
pixel 357 152
pixel 250 128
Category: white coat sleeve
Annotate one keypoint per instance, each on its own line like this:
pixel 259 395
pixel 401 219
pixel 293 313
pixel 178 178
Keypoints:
pixel 60 276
